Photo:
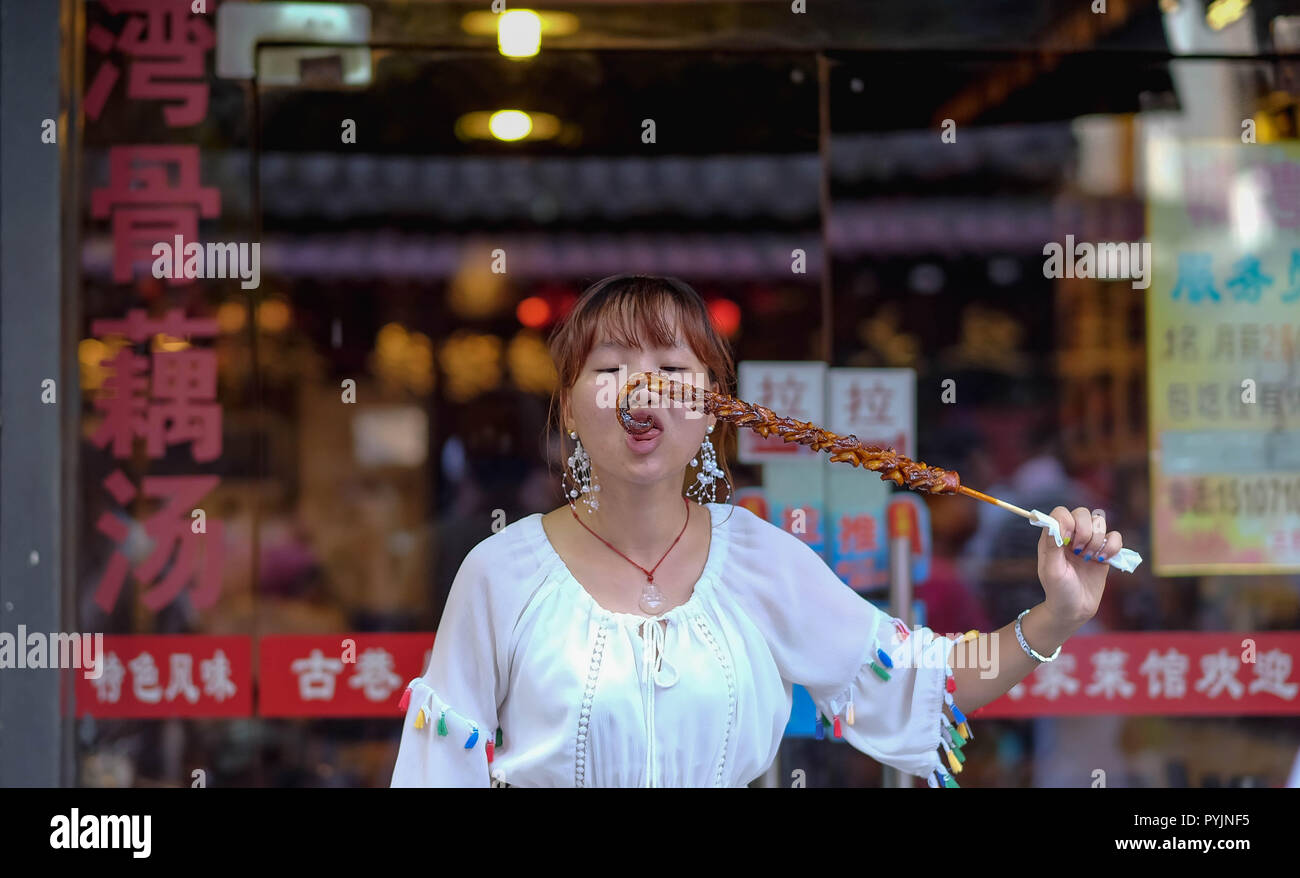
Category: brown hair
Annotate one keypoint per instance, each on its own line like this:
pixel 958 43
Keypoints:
pixel 635 310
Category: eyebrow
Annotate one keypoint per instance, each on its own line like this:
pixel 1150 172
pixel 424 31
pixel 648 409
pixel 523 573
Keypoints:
pixel 609 344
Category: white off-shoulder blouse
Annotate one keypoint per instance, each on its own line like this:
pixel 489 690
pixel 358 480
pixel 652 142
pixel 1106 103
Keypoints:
pixel 533 684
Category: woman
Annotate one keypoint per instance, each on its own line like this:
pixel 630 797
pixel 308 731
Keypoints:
pixel 635 637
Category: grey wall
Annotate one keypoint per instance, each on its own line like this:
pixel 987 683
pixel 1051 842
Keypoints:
pixel 31 433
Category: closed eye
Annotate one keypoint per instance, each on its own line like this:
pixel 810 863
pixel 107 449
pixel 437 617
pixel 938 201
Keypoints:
pixel 664 368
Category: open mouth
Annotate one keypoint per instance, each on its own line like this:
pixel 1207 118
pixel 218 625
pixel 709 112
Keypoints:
pixel 641 425
pixel 655 429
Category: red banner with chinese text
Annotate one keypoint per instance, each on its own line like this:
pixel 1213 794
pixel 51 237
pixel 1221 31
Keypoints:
pixel 1160 673
pixel 169 675
pixel 319 675
pixel 1149 673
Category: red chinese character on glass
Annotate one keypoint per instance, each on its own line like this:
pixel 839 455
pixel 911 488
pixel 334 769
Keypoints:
pixel 857 534
pixel 859 573
pixel 138 326
pixel 173 538
pixel 785 397
pixel 185 384
pixel 153 195
pixel 122 402
pixel 167 46
pixel 184 391
pixel 875 400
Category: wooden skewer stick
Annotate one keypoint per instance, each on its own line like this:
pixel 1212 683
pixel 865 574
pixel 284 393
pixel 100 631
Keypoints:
pixel 891 465
pixel 1001 504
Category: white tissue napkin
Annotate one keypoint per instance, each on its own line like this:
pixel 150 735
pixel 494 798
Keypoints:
pixel 1125 559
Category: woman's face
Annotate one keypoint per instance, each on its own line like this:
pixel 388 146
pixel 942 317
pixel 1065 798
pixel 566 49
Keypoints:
pixel 591 411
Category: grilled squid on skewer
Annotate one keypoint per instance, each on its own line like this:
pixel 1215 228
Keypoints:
pixel 891 465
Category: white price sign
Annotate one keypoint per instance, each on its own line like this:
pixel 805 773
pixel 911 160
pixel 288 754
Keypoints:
pixel 876 405
pixel 793 390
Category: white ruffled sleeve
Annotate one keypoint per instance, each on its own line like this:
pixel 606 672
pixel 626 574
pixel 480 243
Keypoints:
pixel 451 711
pixel 884 689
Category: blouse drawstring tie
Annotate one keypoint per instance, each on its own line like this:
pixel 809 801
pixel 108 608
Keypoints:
pixel 653 666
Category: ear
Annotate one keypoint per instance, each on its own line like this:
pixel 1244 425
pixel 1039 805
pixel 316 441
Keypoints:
pixel 564 412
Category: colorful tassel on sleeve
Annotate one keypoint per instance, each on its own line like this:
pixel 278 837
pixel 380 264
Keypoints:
pixel 425 714
pixel 954 760
pixel 884 662
pixel 941 778
pixel 958 717
pixel 953 733
pixel 955 737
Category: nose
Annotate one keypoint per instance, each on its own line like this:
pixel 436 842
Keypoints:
pixel 643 395
pixel 632 415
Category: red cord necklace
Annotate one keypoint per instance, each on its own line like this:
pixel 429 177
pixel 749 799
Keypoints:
pixel 651 597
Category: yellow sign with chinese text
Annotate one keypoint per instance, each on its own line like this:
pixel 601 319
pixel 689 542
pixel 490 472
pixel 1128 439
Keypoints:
pixel 1223 330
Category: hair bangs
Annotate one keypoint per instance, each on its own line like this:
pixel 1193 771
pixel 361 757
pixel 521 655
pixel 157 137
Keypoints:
pixel 640 319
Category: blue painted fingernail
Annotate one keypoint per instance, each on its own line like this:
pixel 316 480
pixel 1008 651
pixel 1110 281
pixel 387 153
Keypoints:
pixel 1077 551
pixel 1101 558
pixel 1088 557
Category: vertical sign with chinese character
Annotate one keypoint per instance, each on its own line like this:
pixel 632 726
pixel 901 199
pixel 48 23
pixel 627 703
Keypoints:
pixel 150 371
pixel 1223 324
pixel 878 406
pixel 793 474
pixel 794 390
pixel 165 397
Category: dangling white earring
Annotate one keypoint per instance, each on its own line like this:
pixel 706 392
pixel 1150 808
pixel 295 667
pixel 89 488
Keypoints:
pixel 706 480
pixel 580 476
